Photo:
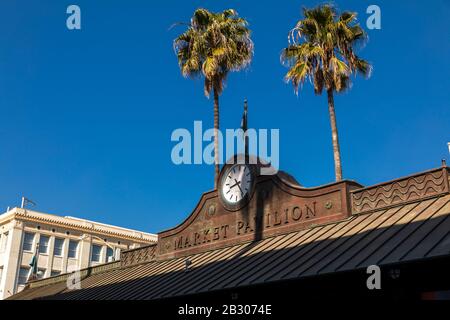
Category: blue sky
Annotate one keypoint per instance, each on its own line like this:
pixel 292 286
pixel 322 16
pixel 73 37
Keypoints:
pixel 86 116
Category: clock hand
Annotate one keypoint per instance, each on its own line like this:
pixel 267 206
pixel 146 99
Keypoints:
pixel 239 186
pixel 234 185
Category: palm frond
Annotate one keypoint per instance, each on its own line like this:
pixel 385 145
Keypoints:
pixel 213 45
pixel 322 47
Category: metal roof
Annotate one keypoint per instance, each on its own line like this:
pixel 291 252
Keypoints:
pixel 405 232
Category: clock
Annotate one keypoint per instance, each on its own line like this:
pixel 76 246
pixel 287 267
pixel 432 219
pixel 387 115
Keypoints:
pixel 236 185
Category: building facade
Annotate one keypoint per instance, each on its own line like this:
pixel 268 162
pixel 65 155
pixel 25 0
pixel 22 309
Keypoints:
pixel 63 245
pixel 266 239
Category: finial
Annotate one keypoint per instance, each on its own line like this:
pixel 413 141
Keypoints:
pixel 444 163
pixel 245 104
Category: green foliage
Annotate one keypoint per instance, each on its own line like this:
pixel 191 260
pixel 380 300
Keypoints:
pixel 213 45
pixel 322 49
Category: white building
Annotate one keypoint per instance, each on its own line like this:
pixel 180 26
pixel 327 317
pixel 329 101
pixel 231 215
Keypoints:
pixel 66 244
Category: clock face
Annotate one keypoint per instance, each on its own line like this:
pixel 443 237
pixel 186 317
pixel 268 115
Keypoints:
pixel 237 183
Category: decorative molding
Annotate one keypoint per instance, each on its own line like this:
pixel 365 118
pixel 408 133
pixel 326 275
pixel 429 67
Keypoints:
pixel 139 255
pixel 81 225
pixel 404 190
pixel 18 224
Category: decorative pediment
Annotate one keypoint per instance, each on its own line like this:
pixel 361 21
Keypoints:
pixel 277 205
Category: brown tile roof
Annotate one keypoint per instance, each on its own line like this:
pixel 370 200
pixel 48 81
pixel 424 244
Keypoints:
pixel 386 231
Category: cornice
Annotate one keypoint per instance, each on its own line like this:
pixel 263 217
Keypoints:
pixel 84 226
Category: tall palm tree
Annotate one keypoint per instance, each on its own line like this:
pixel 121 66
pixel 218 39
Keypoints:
pixel 322 49
pixel 213 45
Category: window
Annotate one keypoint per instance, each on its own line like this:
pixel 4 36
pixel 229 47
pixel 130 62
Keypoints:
pixel 23 275
pixel 43 244
pixel 55 273
pixel 28 241
pixel 59 243
pixel 96 253
pixel 109 255
pixel 4 242
pixel 73 248
pixel 41 273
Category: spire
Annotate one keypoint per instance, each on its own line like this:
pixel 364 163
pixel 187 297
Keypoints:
pixel 244 126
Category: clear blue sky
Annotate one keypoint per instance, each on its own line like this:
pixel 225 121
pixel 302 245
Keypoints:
pixel 86 116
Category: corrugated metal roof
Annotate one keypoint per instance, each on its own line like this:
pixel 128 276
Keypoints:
pixel 406 232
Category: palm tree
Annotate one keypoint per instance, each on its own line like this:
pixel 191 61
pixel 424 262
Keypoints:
pixel 322 48
pixel 213 45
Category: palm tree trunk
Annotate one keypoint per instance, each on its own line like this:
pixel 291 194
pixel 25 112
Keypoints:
pixel 334 134
pixel 216 138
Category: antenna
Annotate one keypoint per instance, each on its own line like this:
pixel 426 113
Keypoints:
pixel 26 201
